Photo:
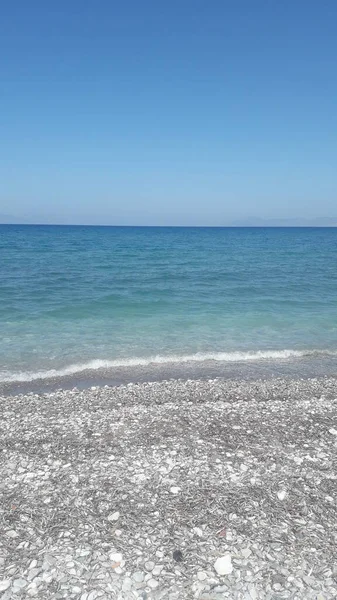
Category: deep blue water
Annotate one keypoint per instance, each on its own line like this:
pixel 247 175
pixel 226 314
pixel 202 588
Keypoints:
pixel 73 298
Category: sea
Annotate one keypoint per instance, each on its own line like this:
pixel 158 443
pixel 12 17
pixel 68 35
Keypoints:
pixel 84 306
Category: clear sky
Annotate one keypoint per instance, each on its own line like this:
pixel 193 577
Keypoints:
pixel 177 112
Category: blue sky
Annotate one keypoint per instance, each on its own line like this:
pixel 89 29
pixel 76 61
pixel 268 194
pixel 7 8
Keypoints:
pixel 151 112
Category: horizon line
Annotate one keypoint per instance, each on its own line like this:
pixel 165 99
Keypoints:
pixel 260 226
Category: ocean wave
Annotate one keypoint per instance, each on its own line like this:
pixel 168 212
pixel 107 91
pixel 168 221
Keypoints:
pixel 98 364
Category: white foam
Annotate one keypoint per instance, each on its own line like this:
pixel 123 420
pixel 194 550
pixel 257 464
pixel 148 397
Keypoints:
pixel 94 365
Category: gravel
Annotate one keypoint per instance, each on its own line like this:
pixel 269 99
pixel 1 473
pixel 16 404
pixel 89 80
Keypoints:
pixel 139 491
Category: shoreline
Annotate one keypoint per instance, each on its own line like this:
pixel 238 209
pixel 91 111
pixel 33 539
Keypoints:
pixel 102 488
pixel 292 367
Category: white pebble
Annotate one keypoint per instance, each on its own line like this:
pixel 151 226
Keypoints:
pixel 4 585
pixel 152 583
pixel 19 583
pixel 127 584
pixel 281 495
pixel 202 575
pixel 116 557
pixel 114 516
pixel 223 565
pixel 12 534
pixel 252 592
pixel 175 490
pixel 333 431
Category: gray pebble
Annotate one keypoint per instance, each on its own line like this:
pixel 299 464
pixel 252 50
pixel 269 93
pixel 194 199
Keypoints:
pixel 4 585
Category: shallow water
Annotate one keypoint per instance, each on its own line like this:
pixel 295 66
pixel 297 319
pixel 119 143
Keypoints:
pixel 79 302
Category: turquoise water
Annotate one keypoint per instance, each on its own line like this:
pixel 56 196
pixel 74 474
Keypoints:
pixel 75 299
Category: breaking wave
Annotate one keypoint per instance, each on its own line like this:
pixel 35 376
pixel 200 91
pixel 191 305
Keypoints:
pixel 97 364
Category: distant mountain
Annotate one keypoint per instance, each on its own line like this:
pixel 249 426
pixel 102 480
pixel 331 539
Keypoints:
pixel 6 219
pixel 300 222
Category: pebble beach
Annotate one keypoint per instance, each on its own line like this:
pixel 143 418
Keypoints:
pixel 170 490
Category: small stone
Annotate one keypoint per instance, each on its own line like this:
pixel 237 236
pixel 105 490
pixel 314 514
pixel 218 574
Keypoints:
pixel 33 573
pixel 4 585
pixel 12 534
pixel 127 584
pixel 198 531
pixel 202 575
pixel 19 583
pixel 175 490
pixel 114 516
pixel 116 557
pixel 333 431
pixel 246 552
pixel 309 580
pixel 138 577
pixel 177 555
pixel 152 583
pixel 149 565
pixel 223 565
pixel 160 554
pixel 33 564
pixel 84 552
pixel 76 590
pixel 252 592
pixel 243 468
pixel 281 495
